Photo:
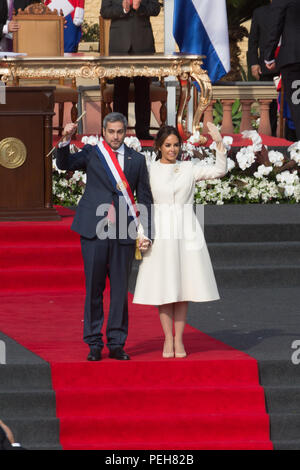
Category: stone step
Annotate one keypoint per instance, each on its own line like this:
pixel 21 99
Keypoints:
pixel 26 404
pixel 25 377
pixel 253 254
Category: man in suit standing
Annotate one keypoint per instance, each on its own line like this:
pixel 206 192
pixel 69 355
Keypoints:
pixel 131 33
pixel 256 47
pixel 284 24
pixel 107 239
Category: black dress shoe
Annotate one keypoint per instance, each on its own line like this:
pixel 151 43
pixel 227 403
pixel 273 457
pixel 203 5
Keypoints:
pixel 94 354
pixel 119 354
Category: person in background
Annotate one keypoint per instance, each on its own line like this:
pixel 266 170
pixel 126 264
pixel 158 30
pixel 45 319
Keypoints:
pixel 7 26
pixel 283 23
pixel 256 47
pixel 131 33
pixel 74 16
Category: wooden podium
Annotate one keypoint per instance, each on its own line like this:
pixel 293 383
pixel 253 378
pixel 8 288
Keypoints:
pixel 25 140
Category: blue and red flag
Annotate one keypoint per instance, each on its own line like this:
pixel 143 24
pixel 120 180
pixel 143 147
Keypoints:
pixel 73 11
pixel 200 27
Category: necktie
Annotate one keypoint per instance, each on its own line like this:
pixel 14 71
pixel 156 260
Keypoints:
pixel 111 214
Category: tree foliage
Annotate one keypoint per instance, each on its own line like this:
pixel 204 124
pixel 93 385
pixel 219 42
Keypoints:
pixel 240 11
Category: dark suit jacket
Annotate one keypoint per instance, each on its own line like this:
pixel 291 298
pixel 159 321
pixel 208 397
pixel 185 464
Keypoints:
pixel 4 12
pixel 3 15
pixel 132 31
pixel 284 22
pixel 99 189
pixel 258 38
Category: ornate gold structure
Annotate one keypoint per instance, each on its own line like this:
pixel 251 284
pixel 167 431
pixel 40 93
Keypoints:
pixel 184 67
pixel 12 152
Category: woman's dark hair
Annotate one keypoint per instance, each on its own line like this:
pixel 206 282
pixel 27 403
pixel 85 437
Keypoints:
pixel 163 133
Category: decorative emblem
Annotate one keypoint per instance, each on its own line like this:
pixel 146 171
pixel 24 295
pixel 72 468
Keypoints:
pixel 12 152
pixel 122 185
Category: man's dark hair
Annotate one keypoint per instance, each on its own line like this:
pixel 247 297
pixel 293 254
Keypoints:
pixel 115 117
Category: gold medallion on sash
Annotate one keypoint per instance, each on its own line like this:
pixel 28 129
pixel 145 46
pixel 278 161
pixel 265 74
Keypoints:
pixel 122 185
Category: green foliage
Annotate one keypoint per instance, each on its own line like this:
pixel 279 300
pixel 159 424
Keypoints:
pixel 90 33
pixel 236 114
pixel 239 11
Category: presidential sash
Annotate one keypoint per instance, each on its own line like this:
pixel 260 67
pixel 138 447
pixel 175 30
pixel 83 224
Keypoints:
pixel 116 176
pixel 119 181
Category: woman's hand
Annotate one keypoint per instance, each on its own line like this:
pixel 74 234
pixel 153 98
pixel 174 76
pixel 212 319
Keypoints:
pixel 216 136
pixel 144 244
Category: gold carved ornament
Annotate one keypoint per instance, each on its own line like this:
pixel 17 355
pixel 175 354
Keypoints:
pixel 13 153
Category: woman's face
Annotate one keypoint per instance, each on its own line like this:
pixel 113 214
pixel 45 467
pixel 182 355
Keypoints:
pixel 170 149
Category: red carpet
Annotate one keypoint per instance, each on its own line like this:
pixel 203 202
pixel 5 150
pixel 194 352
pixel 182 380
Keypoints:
pixel 210 400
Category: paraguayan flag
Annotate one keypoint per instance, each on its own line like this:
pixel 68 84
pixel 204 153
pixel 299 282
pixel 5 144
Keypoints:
pixel 200 27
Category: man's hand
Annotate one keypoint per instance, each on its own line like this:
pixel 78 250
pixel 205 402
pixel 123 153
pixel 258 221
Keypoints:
pixel 271 66
pixel 69 130
pixel 256 71
pixel 144 244
pixel 136 4
pixel 13 26
pixel 126 5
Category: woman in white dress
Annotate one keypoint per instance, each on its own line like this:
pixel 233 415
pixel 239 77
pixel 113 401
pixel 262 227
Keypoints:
pixel 177 268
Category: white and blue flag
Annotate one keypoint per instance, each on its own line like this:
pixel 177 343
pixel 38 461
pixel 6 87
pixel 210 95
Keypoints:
pixel 200 27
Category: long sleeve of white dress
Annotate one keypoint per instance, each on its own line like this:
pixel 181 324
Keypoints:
pixel 218 170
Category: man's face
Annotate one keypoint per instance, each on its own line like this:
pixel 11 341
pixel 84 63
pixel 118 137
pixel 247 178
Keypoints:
pixel 114 134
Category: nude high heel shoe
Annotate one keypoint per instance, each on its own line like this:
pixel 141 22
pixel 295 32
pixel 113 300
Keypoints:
pixel 167 354
pixel 180 354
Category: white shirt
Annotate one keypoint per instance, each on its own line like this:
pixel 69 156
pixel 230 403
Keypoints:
pixel 120 155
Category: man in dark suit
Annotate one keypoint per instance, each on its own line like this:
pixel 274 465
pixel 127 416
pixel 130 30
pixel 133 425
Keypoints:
pixel 284 23
pixel 108 246
pixel 256 47
pixel 7 26
pixel 131 33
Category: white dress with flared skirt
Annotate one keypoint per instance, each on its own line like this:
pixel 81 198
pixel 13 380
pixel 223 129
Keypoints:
pixel 177 267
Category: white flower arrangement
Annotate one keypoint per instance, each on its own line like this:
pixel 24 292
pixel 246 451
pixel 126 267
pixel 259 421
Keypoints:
pixel 133 142
pixel 91 139
pixel 294 150
pixel 262 171
pixel 276 158
pixel 245 157
pixel 255 174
